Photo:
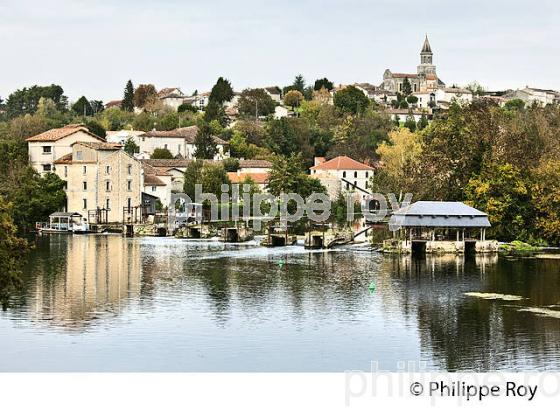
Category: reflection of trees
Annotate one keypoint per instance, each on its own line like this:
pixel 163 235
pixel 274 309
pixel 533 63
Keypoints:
pixel 460 332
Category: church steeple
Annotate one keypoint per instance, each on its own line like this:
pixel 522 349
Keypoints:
pixel 426 64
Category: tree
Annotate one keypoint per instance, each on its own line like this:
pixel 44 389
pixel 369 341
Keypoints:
pixel 221 92
pixel 410 122
pixel 476 88
pixel 399 158
pixel 406 87
pixel 255 103
pixel 514 104
pixel 204 142
pixel 215 112
pixel 422 122
pixel 323 83
pixel 130 147
pixel 351 100
pixel 288 176
pixel 169 121
pixel 210 176
pixel 127 103
pixel 161 153
pixel 82 107
pixel 293 98
pixel 546 198
pixel 359 136
pixel 25 100
pixel 412 99
pixel 286 136
pixel 231 164
pixel 186 107
pixel 144 94
pixel 12 251
pixel 503 193
pixel 97 106
pixel 96 128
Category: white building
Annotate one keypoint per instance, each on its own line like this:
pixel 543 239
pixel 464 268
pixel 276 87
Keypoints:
pixel 180 142
pixel 45 148
pixel 342 174
pixel 171 97
pixel 121 136
pixel 446 96
pixel 531 95
pixel 274 92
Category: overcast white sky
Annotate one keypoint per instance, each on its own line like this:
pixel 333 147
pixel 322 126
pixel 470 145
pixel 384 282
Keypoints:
pixel 93 47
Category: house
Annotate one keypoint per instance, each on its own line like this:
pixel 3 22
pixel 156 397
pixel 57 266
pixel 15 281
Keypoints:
pixel 180 142
pixel 446 96
pixel 50 145
pixel 534 95
pixel 274 92
pixel 401 114
pixel 161 182
pixel 426 100
pixel 280 112
pixel 368 89
pixel 121 136
pixel 103 182
pixel 171 97
pixel 113 103
pixel 254 166
pixel 260 179
pixel 342 175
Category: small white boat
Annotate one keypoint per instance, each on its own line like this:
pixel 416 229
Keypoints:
pixel 63 223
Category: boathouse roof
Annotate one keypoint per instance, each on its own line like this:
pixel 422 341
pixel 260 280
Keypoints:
pixel 439 214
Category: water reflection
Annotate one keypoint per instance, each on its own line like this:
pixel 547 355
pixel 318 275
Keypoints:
pixel 190 304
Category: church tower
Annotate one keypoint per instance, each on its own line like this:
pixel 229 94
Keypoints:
pixel 426 64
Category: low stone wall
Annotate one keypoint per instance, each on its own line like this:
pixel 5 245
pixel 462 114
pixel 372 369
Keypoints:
pixel 439 247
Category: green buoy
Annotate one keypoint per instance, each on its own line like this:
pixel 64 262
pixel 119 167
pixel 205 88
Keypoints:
pixel 371 287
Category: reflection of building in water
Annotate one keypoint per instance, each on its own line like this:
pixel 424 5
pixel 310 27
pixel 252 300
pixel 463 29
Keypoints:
pixel 101 274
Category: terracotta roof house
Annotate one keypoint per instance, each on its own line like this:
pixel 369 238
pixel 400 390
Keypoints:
pixel 342 174
pixel 47 147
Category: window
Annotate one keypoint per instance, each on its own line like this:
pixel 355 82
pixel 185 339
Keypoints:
pixel 366 185
pixel 46 167
pixel 154 188
pixel 347 186
pixel 65 171
pixel 84 202
pixel 367 174
pixel 129 185
pixel 355 174
pixel 129 169
pixel 107 186
pixel 84 170
pixel 108 169
pixel 79 155
pixel 179 148
pixel 343 174
pixel 165 146
pixel 129 202
pixel 84 185
pixel 108 204
pixel 47 149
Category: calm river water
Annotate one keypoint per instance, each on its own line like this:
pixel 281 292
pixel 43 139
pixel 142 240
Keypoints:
pixel 108 303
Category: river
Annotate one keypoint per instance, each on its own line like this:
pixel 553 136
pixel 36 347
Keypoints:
pixel 109 303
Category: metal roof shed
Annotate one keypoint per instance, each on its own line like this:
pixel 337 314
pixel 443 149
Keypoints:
pixel 436 214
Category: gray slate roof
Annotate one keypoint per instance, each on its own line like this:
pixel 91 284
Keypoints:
pixel 435 214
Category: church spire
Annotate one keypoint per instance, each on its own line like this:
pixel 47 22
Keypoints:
pixel 426 48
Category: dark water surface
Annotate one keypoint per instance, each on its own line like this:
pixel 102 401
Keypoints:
pixel 108 303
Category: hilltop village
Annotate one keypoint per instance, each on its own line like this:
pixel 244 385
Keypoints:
pixel 121 161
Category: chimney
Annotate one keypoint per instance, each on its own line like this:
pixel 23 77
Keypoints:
pixel 318 160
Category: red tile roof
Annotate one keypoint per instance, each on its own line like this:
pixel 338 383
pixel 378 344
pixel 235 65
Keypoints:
pixel 342 162
pixel 254 163
pixel 239 178
pixel 56 134
pixel 103 146
pixel 65 159
pixel 152 180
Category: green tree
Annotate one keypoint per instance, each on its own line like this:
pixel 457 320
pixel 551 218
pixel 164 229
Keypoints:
pixel 26 100
pixel 96 128
pixel 504 194
pixel 406 87
pixel 161 153
pixel 210 176
pixel 351 100
pixel 144 94
pixel 231 164
pixel 204 142
pixel 12 251
pixel 186 107
pixel 127 103
pixel 221 92
pixel 546 198
pixel 214 111
pixel 286 136
pixel 255 103
pixel 422 122
pixel 288 176
pixel 130 147
pixel 410 122
pixel 514 104
pixel 323 83
pixel 82 107
pixel 97 106
pixel 412 99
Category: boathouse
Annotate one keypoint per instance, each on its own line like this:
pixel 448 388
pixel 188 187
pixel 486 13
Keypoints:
pixel 439 227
